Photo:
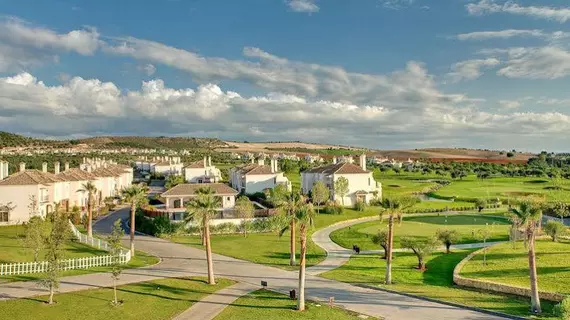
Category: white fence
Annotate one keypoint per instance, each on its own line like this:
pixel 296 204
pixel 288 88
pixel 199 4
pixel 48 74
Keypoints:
pixel 70 264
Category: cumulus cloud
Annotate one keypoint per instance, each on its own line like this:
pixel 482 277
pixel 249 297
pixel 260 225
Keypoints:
pixel 147 69
pixel 397 4
pixel 510 104
pixel 308 6
pixel 23 45
pixel 502 34
pixel 471 69
pixel 484 7
pixel 536 63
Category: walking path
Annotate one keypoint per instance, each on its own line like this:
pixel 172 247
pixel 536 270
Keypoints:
pixel 180 260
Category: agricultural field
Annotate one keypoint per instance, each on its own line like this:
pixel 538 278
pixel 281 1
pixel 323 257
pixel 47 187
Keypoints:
pixel 510 266
pixel 424 226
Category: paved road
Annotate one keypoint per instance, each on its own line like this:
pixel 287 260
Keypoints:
pixel 179 260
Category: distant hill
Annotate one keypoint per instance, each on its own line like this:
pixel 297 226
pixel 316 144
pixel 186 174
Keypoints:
pixel 11 140
pixel 174 143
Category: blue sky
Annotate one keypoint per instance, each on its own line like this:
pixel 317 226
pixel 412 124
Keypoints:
pixel 376 73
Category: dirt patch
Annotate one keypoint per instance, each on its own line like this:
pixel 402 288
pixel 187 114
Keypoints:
pixel 519 194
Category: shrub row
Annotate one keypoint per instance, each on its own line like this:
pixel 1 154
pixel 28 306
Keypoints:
pixel 435 210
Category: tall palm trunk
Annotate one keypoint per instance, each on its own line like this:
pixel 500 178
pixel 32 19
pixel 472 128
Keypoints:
pixel 203 236
pixel 292 240
pixel 301 300
pixel 89 215
pixel 534 297
pixel 211 279
pixel 133 209
pixel 390 246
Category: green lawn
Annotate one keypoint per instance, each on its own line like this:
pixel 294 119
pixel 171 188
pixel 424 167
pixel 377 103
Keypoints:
pixel 423 226
pixel 268 248
pixel 510 266
pixel 442 205
pixel 295 179
pixel 263 304
pixel 471 187
pixel 154 300
pixel 435 283
pixel 395 185
pixel 13 250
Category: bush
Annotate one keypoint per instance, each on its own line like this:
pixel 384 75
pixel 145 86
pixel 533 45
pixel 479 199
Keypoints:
pixel 359 205
pixel 332 207
pixel 225 228
pixel 162 226
pixel 562 310
pixel 376 202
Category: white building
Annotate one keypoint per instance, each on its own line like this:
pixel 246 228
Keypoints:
pixel 178 197
pixel 168 166
pixel 61 187
pixel 361 183
pixel 202 172
pixel 257 177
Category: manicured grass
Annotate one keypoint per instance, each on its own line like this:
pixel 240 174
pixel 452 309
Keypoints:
pixel 263 304
pixel 435 283
pixel 472 187
pixel 510 266
pixel 423 226
pixel 153 300
pixel 13 250
pixel 442 205
pixel 295 179
pixel 395 185
pixel 268 248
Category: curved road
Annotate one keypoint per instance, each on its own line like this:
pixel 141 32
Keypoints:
pixel 181 260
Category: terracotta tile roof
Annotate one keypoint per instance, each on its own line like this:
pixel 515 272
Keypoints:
pixel 76 174
pixel 254 168
pixel 30 177
pixel 190 189
pixel 339 168
pixel 105 172
pixel 196 164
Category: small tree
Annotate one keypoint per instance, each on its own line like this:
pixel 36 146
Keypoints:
pixel 447 237
pixel 114 240
pixel 422 248
pixel 173 180
pixel 484 234
pixel 37 230
pixel 244 210
pixel 554 229
pixel 381 239
pixel 135 195
pixel 561 210
pixel 320 194
pixel 481 203
pixel 562 310
pixel 341 188
pixel 54 243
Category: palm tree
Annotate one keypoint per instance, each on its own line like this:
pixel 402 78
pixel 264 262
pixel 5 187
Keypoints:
pixel 304 216
pixel 528 216
pixel 288 204
pixel 394 206
pixel 91 191
pixel 136 196
pixel 201 209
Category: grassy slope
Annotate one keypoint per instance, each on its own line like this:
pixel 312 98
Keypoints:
pixel 264 304
pixel 436 282
pixel 13 250
pixel 267 248
pixel 510 266
pixel 472 187
pixel 154 300
pixel 422 226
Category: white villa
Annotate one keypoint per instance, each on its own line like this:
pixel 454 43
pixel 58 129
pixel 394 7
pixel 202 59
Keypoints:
pixel 168 166
pixel 256 177
pixel 202 171
pixel 178 196
pixel 361 183
pixel 60 187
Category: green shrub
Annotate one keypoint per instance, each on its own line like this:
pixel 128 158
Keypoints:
pixel 359 205
pixel 332 207
pixel 376 202
pixel 562 310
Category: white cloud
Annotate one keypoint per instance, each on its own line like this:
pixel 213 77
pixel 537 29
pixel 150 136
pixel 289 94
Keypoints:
pixel 23 46
pixel 147 69
pixel 510 104
pixel 471 69
pixel 536 63
pixel 397 4
pixel 484 7
pixel 502 34
pixel 308 6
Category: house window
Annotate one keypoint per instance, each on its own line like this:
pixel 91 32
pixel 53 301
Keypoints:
pixel 227 198
pixel 4 215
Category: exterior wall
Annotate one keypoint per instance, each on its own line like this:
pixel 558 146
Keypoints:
pixel 20 198
pixel 192 175
pixel 309 179
pixel 356 182
pixel 259 182
pixel 228 202
pixel 173 169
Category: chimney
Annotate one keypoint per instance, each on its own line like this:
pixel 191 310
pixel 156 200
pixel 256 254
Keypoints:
pixel 261 161
pixel 44 167
pixel 89 169
pixel 2 170
pixel 84 160
pixel 334 160
pixel 272 165
pixel 252 160
pixel 56 168
pixel 66 166
pixel 363 161
pixel 205 161
pixel 209 161
pixel 22 166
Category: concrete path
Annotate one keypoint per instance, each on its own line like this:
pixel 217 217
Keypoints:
pixel 209 307
pixel 180 260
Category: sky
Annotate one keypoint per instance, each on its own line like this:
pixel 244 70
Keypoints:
pixel 385 74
